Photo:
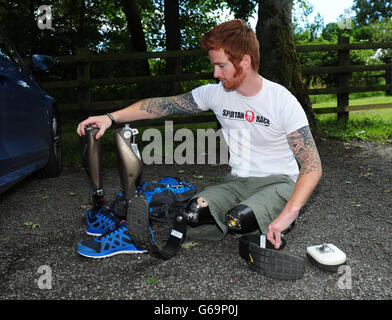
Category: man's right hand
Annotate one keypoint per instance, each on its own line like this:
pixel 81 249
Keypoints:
pixel 101 122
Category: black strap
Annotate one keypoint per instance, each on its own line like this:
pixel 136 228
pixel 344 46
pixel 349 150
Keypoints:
pixel 182 182
pixel 173 243
pixel 111 118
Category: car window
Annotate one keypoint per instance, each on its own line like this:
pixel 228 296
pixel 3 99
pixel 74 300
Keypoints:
pixel 8 52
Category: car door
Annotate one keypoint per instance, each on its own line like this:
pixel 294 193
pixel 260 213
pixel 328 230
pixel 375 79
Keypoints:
pixel 24 118
pixel 4 157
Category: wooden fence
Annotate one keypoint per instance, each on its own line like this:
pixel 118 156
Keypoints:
pixel 343 71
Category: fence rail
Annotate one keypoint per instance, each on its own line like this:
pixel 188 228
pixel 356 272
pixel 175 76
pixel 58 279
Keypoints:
pixel 83 60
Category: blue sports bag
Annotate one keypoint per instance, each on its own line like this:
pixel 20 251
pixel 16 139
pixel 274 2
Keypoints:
pixel 166 197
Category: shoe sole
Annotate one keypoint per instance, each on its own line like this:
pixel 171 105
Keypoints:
pixel 111 254
pixel 138 223
pixel 94 234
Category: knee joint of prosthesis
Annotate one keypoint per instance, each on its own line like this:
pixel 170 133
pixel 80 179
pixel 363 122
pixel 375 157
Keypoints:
pixel 241 219
pixel 198 213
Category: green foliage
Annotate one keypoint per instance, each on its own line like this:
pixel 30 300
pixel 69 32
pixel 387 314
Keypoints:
pixel 372 23
pixel 329 35
pixel 242 10
pixel 372 10
pixel 196 18
pixel 304 30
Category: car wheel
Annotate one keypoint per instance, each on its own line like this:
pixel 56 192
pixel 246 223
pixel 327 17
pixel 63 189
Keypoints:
pixel 55 163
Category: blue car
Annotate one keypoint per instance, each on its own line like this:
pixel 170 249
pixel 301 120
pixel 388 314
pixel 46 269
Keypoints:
pixel 30 132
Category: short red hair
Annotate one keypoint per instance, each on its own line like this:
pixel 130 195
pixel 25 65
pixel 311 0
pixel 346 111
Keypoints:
pixel 236 39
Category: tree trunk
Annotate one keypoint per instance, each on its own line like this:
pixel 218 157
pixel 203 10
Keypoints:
pixel 173 41
pixel 81 33
pixel 278 57
pixel 136 32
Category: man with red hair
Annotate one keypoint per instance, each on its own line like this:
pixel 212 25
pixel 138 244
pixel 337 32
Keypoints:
pixel 267 133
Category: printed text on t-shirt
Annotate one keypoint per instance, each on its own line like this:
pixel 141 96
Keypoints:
pixel 248 116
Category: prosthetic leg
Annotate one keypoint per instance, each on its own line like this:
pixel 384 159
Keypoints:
pixel 128 159
pixel 91 160
pixel 138 214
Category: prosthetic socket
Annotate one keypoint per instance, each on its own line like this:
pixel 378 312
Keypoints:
pixel 91 160
pixel 239 219
pixel 197 212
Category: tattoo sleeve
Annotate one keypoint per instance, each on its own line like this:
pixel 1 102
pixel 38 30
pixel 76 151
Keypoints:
pixel 305 150
pixel 183 103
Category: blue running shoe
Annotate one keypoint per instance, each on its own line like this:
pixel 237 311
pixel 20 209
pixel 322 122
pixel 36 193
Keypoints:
pixel 101 222
pixel 117 206
pixel 115 242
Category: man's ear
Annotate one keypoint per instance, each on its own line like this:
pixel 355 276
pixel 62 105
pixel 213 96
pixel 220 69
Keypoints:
pixel 246 62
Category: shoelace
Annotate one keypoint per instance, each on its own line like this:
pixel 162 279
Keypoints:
pixel 112 233
pixel 109 217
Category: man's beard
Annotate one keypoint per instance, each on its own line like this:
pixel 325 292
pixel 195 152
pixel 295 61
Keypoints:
pixel 233 84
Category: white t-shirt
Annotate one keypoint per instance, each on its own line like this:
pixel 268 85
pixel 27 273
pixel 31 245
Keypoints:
pixel 255 128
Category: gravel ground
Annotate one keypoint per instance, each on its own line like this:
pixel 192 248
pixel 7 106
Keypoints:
pixel 40 226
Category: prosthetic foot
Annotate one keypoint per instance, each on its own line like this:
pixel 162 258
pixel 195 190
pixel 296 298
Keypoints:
pixel 143 236
pixel 91 160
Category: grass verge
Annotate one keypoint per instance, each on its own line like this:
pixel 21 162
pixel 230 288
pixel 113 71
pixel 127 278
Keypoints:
pixel 368 125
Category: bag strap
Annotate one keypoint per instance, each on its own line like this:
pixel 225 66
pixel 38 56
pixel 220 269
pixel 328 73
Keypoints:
pixel 181 182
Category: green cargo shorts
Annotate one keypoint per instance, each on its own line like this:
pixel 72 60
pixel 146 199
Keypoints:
pixel 266 196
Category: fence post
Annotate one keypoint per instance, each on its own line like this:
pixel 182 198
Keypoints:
pixel 388 76
pixel 343 80
pixel 83 76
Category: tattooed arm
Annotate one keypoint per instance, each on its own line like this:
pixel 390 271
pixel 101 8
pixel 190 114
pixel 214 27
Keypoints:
pixel 305 151
pixel 145 109
pixel 160 107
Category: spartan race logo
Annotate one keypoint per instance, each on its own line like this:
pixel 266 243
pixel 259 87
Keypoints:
pixel 248 116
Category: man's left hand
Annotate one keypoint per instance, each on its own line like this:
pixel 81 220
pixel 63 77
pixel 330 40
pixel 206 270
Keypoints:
pixel 274 234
